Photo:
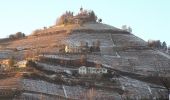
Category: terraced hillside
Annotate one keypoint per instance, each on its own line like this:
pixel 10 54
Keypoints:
pixel 135 69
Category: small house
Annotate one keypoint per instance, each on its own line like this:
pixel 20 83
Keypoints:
pixel 22 64
pixel 83 70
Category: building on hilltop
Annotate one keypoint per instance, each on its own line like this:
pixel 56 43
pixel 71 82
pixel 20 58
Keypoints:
pixel 85 16
pixel 82 17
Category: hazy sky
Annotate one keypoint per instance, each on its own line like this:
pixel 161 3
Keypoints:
pixel 149 19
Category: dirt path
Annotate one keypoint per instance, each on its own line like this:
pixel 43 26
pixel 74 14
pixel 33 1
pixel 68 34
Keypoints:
pixel 163 54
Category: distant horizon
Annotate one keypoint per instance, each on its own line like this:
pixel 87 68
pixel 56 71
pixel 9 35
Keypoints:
pixel 149 20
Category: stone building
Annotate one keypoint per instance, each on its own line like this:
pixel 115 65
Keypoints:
pixel 92 70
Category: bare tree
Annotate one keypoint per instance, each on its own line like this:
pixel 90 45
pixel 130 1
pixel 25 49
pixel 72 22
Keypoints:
pixel 124 27
pixel 65 18
pixel 91 94
pixel 83 60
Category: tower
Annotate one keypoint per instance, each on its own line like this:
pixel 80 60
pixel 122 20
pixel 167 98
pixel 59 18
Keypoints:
pixel 81 9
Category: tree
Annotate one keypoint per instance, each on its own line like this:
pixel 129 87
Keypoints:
pixel 17 35
pixel 92 16
pixel 97 48
pixel 100 20
pixel 65 18
pixel 83 60
pixel 164 46
pixel 124 27
pixel 129 29
pixel 65 22
pixel 11 36
pixel 80 18
pixel 91 94
pixel 155 44
pixel 158 44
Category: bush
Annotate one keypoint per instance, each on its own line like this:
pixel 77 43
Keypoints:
pixel 17 35
pixel 100 20
pixel 65 18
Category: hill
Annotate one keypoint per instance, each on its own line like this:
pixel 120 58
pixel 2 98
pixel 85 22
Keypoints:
pixel 134 70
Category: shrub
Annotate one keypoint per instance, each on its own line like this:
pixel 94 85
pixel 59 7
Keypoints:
pixel 17 35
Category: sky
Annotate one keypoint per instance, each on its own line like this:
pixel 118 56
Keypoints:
pixel 149 19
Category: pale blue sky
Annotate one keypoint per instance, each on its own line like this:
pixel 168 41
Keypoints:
pixel 149 19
